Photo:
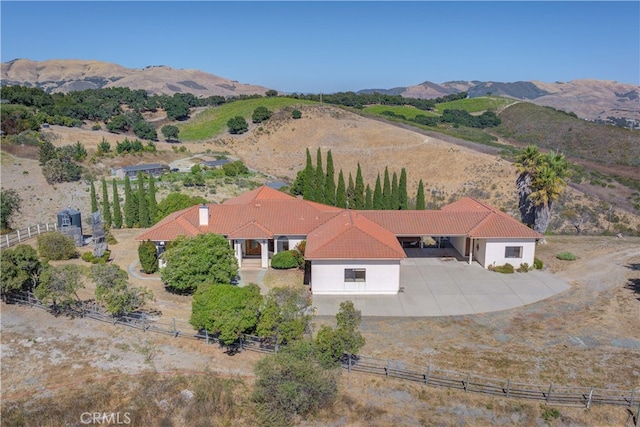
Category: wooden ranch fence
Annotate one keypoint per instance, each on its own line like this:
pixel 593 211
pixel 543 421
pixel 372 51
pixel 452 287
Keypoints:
pixel 550 393
pixel 21 235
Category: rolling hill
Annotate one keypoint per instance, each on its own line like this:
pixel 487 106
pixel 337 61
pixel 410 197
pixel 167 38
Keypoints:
pixel 589 99
pixel 70 75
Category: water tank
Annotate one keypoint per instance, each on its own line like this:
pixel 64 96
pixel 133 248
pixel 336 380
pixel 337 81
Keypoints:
pixel 70 217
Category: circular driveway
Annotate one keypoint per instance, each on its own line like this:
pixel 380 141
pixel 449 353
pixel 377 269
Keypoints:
pixel 446 286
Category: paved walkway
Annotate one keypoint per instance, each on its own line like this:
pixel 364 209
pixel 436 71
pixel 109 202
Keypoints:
pixel 448 287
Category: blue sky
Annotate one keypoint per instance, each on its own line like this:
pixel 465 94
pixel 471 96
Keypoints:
pixel 338 46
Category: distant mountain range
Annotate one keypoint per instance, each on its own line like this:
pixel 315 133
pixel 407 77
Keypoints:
pixel 589 99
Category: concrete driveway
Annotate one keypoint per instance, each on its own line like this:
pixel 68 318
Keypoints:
pixel 446 286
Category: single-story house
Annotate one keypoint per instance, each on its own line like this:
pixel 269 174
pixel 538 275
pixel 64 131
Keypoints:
pixel 154 169
pixel 349 251
pixel 216 164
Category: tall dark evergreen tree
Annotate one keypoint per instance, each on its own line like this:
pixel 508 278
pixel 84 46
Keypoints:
pixel 309 179
pixel 351 190
pixel 117 213
pixel 402 190
pixel 368 198
pixel 143 209
pixel 130 205
pixel 152 203
pixel 378 201
pixel 341 192
pixel 395 196
pixel 320 178
pixel 94 200
pixel 386 190
pixel 330 182
pixel 420 202
pixel 358 196
pixel 106 206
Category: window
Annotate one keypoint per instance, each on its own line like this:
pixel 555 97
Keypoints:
pixel 355 274
pixel 513 252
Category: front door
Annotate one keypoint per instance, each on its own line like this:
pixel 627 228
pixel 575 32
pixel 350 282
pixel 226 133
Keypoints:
pixel 253 247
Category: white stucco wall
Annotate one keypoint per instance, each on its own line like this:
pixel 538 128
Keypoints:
pixel 293 241
pixel 493 251
pixel 458 242
pixel 382 277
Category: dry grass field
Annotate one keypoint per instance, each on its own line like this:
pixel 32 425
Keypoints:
pixel 585 336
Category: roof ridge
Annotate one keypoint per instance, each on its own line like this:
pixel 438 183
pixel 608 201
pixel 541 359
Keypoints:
pixel 375 225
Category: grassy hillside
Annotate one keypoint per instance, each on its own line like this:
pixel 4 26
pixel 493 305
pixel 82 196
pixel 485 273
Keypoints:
pixel 553 129
pixel 213 121
pixel 475 105
pixel 405 110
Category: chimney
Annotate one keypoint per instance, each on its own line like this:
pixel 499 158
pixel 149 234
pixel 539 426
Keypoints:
pixel 204 215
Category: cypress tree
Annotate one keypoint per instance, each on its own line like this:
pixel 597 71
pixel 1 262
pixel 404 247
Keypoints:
pixel 402 190
pixel 106 206
pixel 386 190
pixel 130 206
pixel 378 201
pixel 395 197
pixel 309 179
pixel 330 182
pixel 143 209
pixel 368 198
pixel 94 201
pixel 152 203
pixel 358 197
pixel 341 192
pixel 351 190
pixel 420 202
pixel 117 213
pixel 319 181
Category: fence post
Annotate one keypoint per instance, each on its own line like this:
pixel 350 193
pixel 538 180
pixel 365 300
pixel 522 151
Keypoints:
pixel 206 334
pixel 144 327
pixel 18 231
pixel 633 392
pixel 426 377
pixel 386 369
pixel 47 224
pixel 590 396
pixel 7 240
pixel 549 393
pixel 38 228
pixel 508 387
pixel 29 231
pixel 466 383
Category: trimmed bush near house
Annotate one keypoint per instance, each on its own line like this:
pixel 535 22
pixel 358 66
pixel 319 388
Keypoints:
pixel 285 260
pixel 524 267
pixel 537 263
pixel 504 269
pixel 566 256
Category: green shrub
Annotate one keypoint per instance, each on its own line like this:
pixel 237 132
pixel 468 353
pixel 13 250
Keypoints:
pixel 56 246
pixel 87 257
pixel 148 255
pixel 524 267
pixel 284 260
pixel 504 269
pixel 537 263
pixel 296 114
pixel 566 256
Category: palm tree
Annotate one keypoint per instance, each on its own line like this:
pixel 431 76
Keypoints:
pixel 527 163
pixel 540 183
pixel 547 185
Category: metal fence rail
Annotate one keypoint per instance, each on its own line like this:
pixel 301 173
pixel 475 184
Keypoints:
pixel 23 234
pixel 430 376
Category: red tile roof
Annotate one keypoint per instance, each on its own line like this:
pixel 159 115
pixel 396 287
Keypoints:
pixel 334 232
pixel 352 235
